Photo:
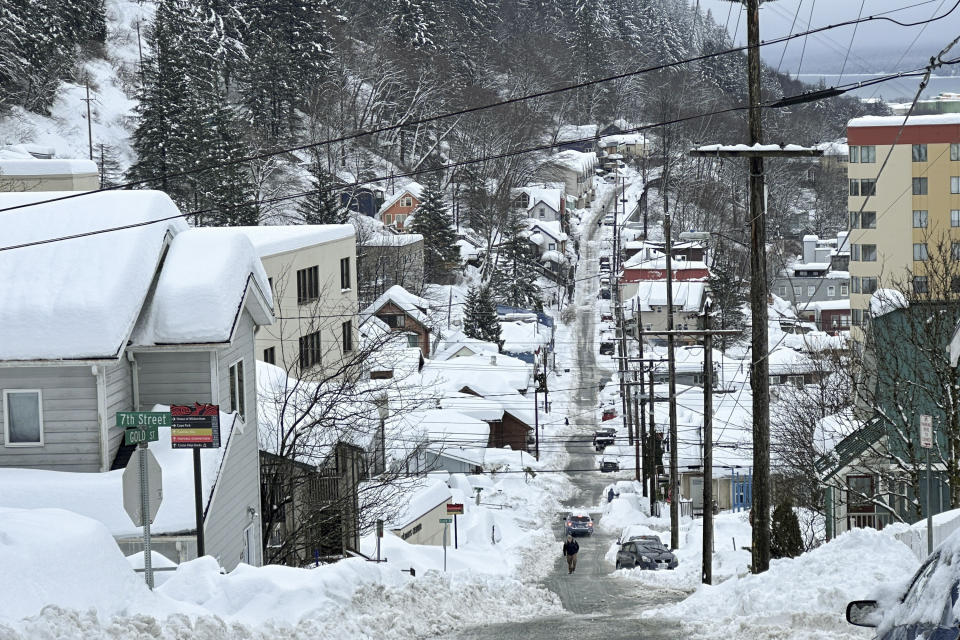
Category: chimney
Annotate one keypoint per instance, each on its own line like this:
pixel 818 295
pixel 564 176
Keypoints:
pixel 810 249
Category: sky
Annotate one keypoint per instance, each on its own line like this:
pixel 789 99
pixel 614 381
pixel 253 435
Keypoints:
pixel 877 46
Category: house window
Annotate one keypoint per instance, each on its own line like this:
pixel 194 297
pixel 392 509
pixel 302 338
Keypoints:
pixel 309 350
pixel 541 212
pixel 237 402
pixel 868 219
pixel 844 290
pixel 919 251
pixel 919 153
pixel 855 284
pixel 954 184
pixel 920 284
pixel 394 321
pixel 868 284
pixel 955 217
pixel 868 252
pixel 854 187
pixel 855 317
pixel 387 219
pixel 955 284
pixel 308 284
pixel 811 290
pixel 831 291
pixel 347 331
pixel 955 151
pixel 413 340
pixel 854 253
pixel 868 154
pixel 782 291
pixel 552 246
pixel 868 187
pixel 344 274
pixel 22 418
pixel 920 218
pixel 955 250
pixel 406 201
pixel 798 291
pixel 919 186
pixel 270 355
pixel 854 154
pixel 854 219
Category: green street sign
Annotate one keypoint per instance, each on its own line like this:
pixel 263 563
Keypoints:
pixel 138 435
pixel 141 419
pixel 446 520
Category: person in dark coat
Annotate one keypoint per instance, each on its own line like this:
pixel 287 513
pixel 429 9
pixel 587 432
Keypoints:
pixel 570 550
pixel 610 495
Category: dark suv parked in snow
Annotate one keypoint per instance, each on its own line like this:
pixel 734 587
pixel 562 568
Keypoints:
pixel 645 554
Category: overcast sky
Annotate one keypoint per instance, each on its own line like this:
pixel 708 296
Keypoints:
pixel 877 46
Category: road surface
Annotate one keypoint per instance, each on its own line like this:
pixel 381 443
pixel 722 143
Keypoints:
pixel 599 606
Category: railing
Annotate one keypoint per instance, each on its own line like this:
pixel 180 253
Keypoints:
pixel 876 520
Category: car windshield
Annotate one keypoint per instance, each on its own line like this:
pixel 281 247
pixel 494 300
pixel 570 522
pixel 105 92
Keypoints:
pixel 579 518
pixel 911 599
pixel 647 546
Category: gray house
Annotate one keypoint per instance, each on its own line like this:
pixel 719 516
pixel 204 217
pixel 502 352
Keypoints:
pixel 130 309
pixel 818 277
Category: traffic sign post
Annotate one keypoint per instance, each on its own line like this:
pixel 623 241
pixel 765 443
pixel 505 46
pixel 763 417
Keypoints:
pixel 926 442
pixel 196 427
pixel 379 535
pixel 446 524
pixel 455 509
pixel 142 494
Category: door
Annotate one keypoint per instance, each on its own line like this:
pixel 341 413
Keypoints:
pixel 249 546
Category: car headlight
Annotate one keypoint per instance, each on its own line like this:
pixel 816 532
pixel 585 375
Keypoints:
pixel 645 559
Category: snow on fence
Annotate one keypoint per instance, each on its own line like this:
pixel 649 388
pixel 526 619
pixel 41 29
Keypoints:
pixel 915 537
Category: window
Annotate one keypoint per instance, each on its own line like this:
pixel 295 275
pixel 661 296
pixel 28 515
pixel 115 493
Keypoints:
pixel 955 250
pixel 347 331
pixel 387 219
pixel 855 317
pixel 308 285
pixel 955 284
pixel 344 273
pixel 541 212
pixel 868 252
pixel 854 219
pixel 869 285
pixel 919 251
pixel 782 291
pixel 868 187
pixel 811 290
pixel 855 284
pixel 955 217
pixel 270 355
pixel 854 187
pixel 954 184
pixel 413 340
pixel 270 285
pixel 797 291
pixel 237 401
pixel 394 321
pixel 844 290
pixel 868 219
pixel 309 350
pixel 955 151
pixel 868 154
pixel 22 418
pixel 919 153
pixel 854 154
pixel 920 284
pixel 831 291
pixel 920 218
pixel 552 246
pixel 406 201
pixel 854 253
pixel 919 186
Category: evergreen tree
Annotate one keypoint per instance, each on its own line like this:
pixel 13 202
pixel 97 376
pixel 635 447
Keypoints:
pixel 480 316
pixel 471 314
pixel 228 188
pixel 110 172
pixel 729 294
pixel 322 205
pixel 516 276
pixel 432 220
pixel 785 539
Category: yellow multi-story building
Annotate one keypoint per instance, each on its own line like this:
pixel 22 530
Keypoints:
pixel 907 216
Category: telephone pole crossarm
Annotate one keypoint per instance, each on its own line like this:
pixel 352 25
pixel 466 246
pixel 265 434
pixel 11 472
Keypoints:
pixel 755 151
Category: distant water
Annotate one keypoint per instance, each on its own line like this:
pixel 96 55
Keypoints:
pixel 899 90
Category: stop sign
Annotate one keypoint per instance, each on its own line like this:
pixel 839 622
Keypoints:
pixel 131 486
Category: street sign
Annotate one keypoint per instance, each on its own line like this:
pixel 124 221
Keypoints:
pixel 926 432
pixel 138 435
pixel 456 509
pixel 128 419
pixel 196 427
pixel 379 528
pixel 131 486
pixel 446 520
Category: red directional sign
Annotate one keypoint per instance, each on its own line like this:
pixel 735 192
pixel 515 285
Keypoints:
pixel 456 509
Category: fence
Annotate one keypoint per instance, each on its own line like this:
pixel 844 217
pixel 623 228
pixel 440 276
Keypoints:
pixel 916 536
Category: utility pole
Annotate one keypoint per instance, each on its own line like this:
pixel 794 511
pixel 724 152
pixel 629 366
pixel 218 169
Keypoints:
pixel 652 450
pixel 639 409
pixel 618 318
pixel 86 82
pixel 707 575
pixel 673 493
pixel 536 406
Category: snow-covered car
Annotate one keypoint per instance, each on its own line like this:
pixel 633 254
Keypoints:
pixel 603 438
pixel 608 220
pixel 645 554
pixel 578 524
pixel 609 464
pixel 929 606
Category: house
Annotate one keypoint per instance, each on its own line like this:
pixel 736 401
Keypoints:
pixel 397 208
pixel 510 424
pixel 581 138
pixel 649 304
pixel 405 312
pixel 640 269
pixel 629 145
pixel 831 316
pixel 419 520
pixel 549 244
pixel 32 168
pixel 542 203
pixel 149 315
pixel 820 275
pixel 456 344
pixel 386 258
pixel 312 270
pixel 577 171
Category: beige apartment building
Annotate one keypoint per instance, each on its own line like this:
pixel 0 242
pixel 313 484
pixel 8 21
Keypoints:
pixel 313 278
pixel 904 219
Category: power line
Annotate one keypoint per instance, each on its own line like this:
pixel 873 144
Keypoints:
pixel 883 16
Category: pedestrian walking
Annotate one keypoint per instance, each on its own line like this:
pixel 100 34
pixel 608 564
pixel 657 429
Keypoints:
pixel 610 495
pixel 570 550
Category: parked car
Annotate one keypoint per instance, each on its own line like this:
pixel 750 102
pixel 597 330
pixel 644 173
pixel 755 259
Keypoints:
pixel 604 438
pixel 609 413
pixel 645 554
pixel 608 219
pixel 927 608
pixel 609 464
pixel 578 524
pixel 605 294
pixel 604 263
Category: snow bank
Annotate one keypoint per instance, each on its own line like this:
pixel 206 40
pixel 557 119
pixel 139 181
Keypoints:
pixel 807 594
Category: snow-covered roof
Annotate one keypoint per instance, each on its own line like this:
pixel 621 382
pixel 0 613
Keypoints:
pixel 523 337
pixel 826 305
pixel 834 148
pixel 494 375
pixel 569 132
pixel 422 502
pixel 550 227
pixel 640 261
pixel 33 167
pixel 785 361
pixel 896 121
pixel 100 495
pixel 207 277
pixel 653 293
pixel 391 239
pixel 474 406
pixel 548 195
pixel 810 266
pixel 271 240
pixel 883 301
pixel 78 298
pixel 552 256
pixel 414 189
pixel 414 306
pixel 623 138
pixel 453 342
pixel 755 147
pixel 575 160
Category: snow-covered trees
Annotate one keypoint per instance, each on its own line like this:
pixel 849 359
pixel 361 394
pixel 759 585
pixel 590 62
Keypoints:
pixel 480 316
pixel 322 205
pixel 441 255
pixel 516 272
